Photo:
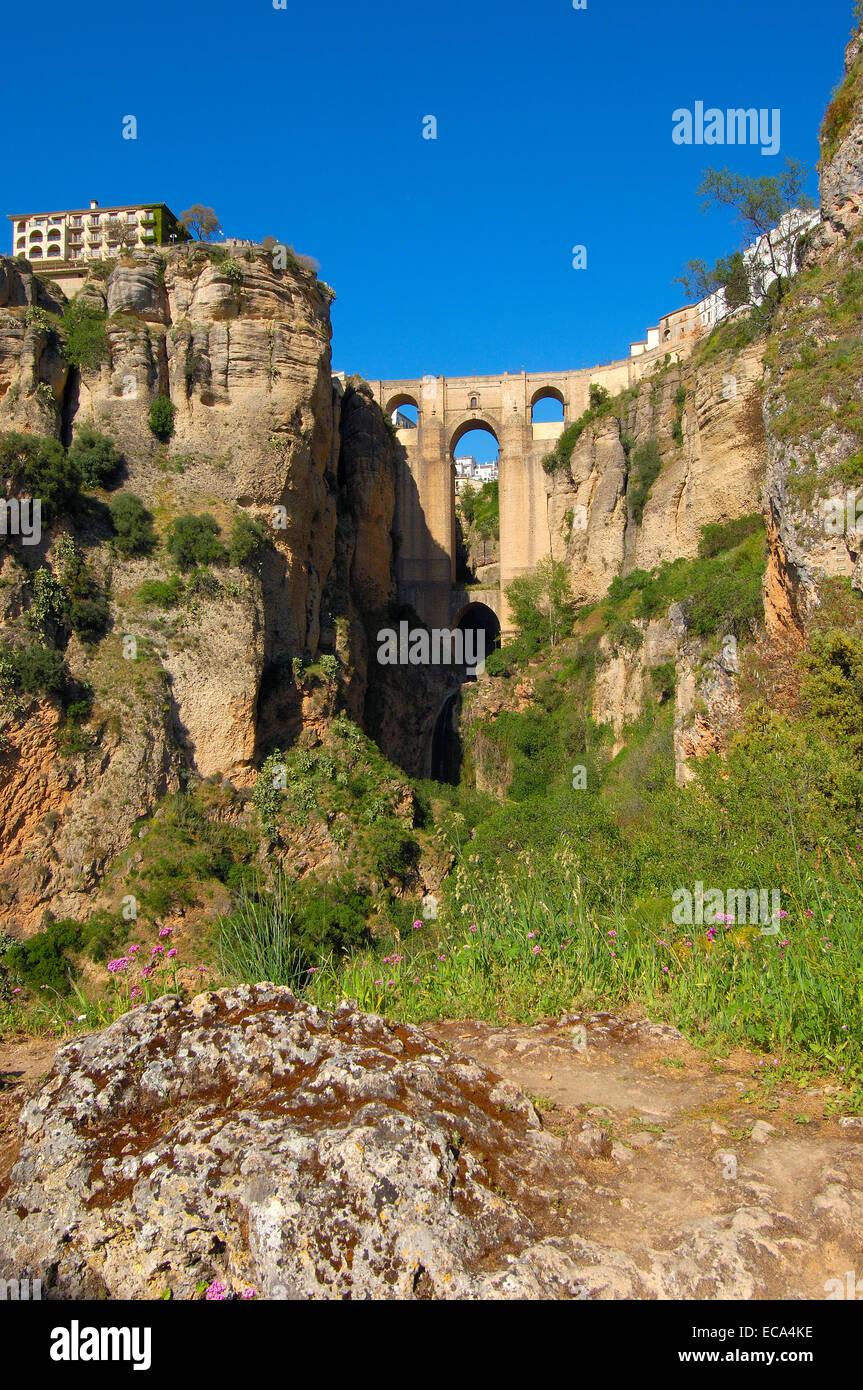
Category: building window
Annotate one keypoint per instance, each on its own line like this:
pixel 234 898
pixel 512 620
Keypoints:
pixel 473 404
pixel 20 243
pixel 35 252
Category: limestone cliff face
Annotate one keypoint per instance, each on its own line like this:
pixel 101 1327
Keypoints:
pixel 244 354
pixel 841 169
pixel 260 427
pixel 591 540
pixel 716 474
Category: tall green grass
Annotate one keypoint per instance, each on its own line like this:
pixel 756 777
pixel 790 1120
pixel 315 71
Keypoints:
pixel 527 943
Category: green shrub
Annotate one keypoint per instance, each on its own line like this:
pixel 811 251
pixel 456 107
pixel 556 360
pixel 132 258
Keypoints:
pixel 645 465
pixel 202 582
pixel 194 540
pixel 133 525
pixel 86 337
pixel 541 602
pixel 162 593
pixel 679 405
pixel 600 405
pixel 249 538
pixel 41 962
pixel 717 537
pixel 664 677
pixel 90 617
pixel 622 586
pixel 49 610
pixel 40 467
pixel 95 457
pixel 72 737
pixel 35 670
pixel 89 614
pixel 162 417
pixel 233 272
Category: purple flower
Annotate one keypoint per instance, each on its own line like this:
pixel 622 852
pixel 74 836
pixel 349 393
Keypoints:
pixel 117 966
pixel 417 925
pixel 216 1290
pixel 172 952
pixel 167 931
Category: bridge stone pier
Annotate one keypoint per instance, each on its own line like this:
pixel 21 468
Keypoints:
pixel 447 408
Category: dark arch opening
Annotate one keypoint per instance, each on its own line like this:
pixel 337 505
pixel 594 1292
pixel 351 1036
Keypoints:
pixel 478 619
pixel 446 742
pixel 446 747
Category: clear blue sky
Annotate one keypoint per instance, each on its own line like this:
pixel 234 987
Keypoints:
pixel 448 255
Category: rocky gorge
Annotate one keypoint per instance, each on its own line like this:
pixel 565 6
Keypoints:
pixel 208 733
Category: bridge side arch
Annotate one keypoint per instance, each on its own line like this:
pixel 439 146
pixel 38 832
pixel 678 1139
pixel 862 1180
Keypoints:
pixel 396 404
pixel 546 393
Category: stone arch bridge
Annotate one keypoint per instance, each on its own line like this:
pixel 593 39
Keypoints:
pixel 447 408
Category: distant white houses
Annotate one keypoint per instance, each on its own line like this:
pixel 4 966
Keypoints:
pixel 469 473
pixel 702 317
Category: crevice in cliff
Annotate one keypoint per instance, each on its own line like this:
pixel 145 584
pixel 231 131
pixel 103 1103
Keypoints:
pixel 69 406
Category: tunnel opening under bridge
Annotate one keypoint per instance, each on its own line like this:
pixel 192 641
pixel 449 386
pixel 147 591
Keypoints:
pixel 482 623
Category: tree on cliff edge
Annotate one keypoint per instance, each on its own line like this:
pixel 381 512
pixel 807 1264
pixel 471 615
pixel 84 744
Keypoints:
pixel 773 211
pixel 200 222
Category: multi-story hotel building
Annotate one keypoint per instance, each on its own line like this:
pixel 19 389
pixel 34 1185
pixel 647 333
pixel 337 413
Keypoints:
pixel 94 233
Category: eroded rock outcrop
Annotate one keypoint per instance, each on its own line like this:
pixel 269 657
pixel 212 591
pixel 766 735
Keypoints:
pixel 250 1138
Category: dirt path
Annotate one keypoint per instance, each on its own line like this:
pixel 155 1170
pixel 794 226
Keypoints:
pixel 23 1062
pixel 686 1182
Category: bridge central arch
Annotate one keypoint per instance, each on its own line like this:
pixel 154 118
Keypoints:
pixel 477 422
